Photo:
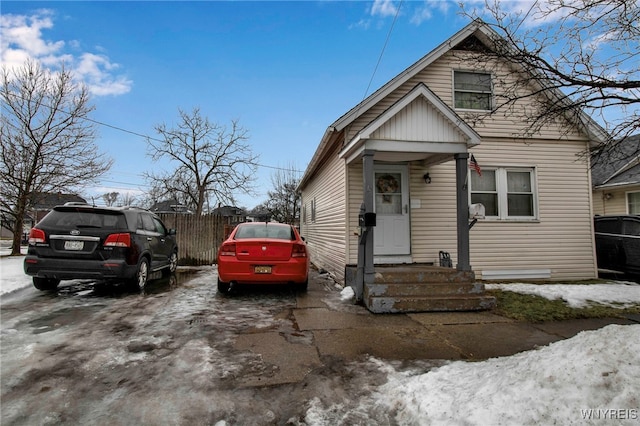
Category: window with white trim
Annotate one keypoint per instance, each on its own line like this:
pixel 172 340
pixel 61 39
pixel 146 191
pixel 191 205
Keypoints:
pixel 633 202
pixel 506 193
pixel 472 90
pixel 313 210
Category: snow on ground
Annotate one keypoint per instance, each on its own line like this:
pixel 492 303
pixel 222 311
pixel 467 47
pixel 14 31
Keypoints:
pixel 12 276
pixel 615 293
pixel 592 378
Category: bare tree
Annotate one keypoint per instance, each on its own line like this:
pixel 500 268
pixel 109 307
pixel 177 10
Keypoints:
pixel 128 199
pixel 110 198
pixel 587 50
pixel 47 143
pixel 284 200
pixel 212 161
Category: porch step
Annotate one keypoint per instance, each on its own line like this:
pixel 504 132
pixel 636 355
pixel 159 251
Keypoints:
pixel 424 288
pixel 421 274
pixel 381 304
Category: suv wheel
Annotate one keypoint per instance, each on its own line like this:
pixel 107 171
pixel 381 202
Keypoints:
pixel 173 262
pixel 139 281
pixel 45 283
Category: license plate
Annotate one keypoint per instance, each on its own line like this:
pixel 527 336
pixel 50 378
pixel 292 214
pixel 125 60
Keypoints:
pixel 262 269
pixel 73 245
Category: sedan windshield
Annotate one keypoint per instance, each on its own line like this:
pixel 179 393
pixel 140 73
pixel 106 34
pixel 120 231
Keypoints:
pixel 269 230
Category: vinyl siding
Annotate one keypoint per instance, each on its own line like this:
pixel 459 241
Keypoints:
pixel 356 197
pixel 326 236
pixel 560 240
pixel 615 203
pixel 439 78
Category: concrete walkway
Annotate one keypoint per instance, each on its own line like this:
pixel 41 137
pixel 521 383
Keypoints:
pixel 325 327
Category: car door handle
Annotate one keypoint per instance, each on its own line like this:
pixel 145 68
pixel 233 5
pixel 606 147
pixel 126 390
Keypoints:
pixel 149 239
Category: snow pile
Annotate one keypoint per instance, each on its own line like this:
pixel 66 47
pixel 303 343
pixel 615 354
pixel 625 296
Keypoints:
pixel 595 375
pixel 617 294
pixel 12 276
pixel 592 378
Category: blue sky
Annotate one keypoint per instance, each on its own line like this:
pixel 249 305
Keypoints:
pixel 285 70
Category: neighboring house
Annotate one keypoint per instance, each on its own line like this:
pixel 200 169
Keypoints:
pixel 403 153
pixel 616 179
pixel 231 215
pixel 40 204
pixel 43 202
pixel 261 215
pixel 170 206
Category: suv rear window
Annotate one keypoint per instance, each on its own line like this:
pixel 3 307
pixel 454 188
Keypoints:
pixel 84 219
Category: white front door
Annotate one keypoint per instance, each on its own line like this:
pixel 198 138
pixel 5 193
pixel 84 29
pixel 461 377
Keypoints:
pixel 391 234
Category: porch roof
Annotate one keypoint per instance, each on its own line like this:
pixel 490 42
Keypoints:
pixel 419 126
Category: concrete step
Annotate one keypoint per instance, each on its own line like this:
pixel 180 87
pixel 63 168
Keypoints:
pixel 423 289
pixel 421 274
pixel 380 304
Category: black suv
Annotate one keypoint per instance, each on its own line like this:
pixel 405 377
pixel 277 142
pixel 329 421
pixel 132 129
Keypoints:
pixel 82 241
pixel 618 243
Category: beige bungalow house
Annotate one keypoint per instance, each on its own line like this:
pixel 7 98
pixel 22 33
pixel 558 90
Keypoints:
pixel 388 198
pixel 616 179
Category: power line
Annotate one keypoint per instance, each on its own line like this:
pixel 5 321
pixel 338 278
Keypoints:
pixel 131 132
pixel 384 47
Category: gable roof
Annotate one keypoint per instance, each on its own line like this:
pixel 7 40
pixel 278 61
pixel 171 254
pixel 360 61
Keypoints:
pixel 620 167
pixel 229 211
pixel 170 206
pixel 437 127
pixel 48 200
pixel 477 30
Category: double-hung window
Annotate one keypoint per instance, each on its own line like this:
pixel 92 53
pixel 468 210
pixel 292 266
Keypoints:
pixel 506 193
pixel 472 90
pixel 633 202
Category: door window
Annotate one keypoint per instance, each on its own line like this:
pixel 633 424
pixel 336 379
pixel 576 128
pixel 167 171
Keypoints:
pixel 388 191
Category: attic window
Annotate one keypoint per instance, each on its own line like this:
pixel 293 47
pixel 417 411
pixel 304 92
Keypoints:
pixel 472 44
pixel 472 90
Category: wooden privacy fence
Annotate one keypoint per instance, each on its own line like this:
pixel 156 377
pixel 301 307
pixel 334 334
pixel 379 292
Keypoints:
pixel 198 237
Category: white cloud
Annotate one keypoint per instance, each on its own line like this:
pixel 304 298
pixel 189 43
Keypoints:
pixel 23 38
pixel 383 8
pixel 425 11
pixel 421 14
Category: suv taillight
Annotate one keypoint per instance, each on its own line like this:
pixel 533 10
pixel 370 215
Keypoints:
pixel 37 236
pixel 299 250
pixel 118 240
pixel 228 249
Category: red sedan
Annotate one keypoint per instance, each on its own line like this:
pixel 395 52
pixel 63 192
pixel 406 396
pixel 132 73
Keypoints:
pixel 263 253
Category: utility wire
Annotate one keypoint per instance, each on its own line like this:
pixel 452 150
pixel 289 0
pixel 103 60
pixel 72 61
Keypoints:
pixel 384 47
pixel 120 129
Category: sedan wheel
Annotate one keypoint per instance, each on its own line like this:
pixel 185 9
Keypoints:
pixel 223 287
